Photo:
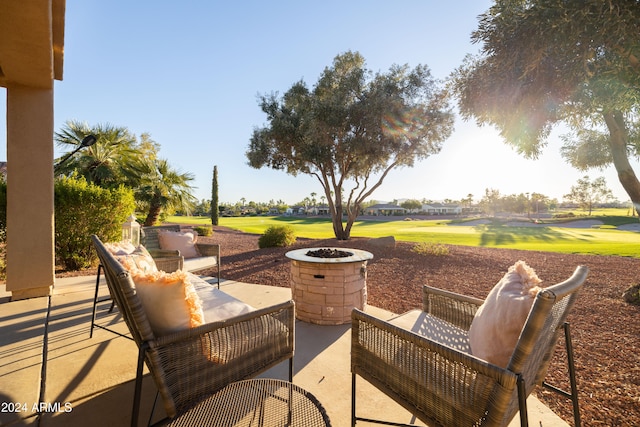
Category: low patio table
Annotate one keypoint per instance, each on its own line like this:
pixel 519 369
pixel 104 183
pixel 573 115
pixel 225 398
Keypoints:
pixel 257 402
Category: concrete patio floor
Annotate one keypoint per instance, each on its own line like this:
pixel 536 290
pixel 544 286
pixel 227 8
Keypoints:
pixel 90 381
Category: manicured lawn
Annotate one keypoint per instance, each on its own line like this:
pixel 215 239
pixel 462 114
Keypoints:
pixel 596 241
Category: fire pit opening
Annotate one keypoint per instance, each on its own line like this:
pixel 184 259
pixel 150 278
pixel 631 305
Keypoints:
pixel 329 253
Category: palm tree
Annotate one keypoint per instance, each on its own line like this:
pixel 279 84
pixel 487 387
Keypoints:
pixel 117 158
pixel 161 188
pixel 108 161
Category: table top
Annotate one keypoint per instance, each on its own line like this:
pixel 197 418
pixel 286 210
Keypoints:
pixel 257 402
pixel 357 255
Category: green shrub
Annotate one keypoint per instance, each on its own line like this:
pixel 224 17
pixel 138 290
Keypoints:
pixel 564 215
pixel 431 248
pixel 203 230
pixel 83 209
pixel 277 236
pixel 632 294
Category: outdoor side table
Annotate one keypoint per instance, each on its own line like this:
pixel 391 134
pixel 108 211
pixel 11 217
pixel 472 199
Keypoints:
pixel 258 402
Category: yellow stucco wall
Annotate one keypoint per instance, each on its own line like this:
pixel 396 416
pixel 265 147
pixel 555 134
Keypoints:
pixel 31 57
pixel 30 244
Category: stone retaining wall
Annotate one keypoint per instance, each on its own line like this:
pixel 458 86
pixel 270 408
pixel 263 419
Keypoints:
pixel 325 294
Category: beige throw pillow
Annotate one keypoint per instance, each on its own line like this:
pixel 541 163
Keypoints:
pixel 131 257
pixel 120 248
pixel 185 242
pixel 169 301
pixel 498 322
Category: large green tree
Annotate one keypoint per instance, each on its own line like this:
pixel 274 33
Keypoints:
pixel 543 62
pixel 588 193
pixel 352 129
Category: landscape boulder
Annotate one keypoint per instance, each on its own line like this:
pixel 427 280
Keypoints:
pixel 384 242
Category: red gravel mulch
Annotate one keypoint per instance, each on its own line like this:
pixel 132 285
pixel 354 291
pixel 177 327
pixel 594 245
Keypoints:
pixel 605 329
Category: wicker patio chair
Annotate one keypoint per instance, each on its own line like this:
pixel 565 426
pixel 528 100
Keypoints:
pixel 429 370
pixel 165 260
pixel 208 251
pixel 193 364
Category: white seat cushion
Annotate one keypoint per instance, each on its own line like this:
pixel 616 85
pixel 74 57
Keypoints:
pixel 200 263
pixel 433 328
pixel 216 304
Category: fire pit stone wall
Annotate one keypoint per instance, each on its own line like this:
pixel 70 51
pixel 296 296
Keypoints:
pixel 326 290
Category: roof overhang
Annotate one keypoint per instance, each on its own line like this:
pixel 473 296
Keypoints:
pixel 31 42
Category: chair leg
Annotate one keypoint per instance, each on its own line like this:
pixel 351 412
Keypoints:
pixel 354 418
pixel 353 400
pixel 522 402
pixel 137 395
pixel 218 278
pixel 153 410
pixel 95 309
pixel 572 378
pixel 95 302
pixel 291 370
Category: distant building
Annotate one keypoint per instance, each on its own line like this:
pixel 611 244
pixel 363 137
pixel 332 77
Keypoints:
pixel 318 210
pixel 384 209
pixel 295 210
pixel 442 209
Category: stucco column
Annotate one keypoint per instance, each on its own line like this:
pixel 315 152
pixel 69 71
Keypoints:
pixel 30 242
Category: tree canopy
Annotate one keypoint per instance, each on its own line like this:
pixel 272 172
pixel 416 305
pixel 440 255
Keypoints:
pixel 543 62
pixel 588 193
pixel 352 129
pixel 119 158
pixel 108 161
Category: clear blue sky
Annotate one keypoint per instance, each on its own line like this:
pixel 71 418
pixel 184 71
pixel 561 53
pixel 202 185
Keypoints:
pixel 189 73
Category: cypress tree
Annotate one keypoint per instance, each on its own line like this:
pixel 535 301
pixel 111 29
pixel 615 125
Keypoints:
pixel 215 213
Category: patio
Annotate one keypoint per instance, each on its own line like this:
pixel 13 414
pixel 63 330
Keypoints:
pixel 90 381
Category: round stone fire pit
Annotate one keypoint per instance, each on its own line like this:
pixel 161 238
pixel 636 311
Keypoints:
pixel 328 283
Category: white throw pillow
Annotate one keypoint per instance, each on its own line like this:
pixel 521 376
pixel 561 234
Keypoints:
pixel 185 242
pixel 498 322
pixel 169 301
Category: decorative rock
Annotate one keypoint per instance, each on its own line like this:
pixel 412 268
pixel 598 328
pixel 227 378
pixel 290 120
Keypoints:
pixel 632 295
pixel 384 242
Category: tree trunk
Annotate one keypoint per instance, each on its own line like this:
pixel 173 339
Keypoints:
pixel 351 218
pixel 618 139
pixel 152 216
pixel 338 229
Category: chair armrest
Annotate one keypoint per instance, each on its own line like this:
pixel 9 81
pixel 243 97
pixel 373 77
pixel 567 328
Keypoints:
pixel 163 253
pixel 424 375
pixel 209 249
pixel 199 361
pixel 169 264
pixel 167 260
pixel 451 307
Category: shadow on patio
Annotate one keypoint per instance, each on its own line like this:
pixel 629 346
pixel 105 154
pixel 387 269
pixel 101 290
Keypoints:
pixel 90 381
